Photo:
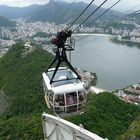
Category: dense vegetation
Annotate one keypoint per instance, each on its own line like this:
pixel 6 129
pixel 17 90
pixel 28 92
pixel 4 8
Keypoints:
pixel 21 81
pixel 4 22
pixel 106 115
pixel 133 132
pixel 21 78
pixel 42 34
pixel 24 127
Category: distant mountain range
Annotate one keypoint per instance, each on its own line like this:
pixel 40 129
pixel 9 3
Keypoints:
pixel 58 12
pixel 4 22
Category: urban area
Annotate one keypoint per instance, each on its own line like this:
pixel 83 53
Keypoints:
pixel 130 94
pixel 40 32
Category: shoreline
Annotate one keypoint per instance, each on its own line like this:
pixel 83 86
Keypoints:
pixel 96 89
pixel 92 34
pixel 128 43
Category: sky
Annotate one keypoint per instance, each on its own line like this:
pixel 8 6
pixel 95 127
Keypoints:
pixel 122 6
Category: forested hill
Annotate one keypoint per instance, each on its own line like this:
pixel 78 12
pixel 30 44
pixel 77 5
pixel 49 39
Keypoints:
pixel 22 101
pixel 4 22
pixel 21 78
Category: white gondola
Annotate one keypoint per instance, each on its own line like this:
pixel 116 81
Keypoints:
pixel 64 91
pixel 66 94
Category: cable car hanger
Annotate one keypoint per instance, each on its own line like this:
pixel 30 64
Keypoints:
pixel 60 54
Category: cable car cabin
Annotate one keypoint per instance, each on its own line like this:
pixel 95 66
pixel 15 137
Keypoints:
pixel 66 95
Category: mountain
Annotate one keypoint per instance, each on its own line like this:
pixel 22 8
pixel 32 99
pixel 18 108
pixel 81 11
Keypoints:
pixel 56 11
pixel 4 22
pixel 17 12
pixel 22 93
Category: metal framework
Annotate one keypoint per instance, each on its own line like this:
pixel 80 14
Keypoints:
pixel 61 56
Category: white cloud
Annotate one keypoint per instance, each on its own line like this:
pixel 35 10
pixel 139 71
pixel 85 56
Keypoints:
pixel 22 3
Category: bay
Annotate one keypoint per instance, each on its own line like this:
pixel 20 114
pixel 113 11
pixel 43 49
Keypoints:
pixel 116 66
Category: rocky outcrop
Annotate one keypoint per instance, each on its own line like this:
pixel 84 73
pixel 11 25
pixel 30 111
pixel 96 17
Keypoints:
pixel 134 138
pixel 4 102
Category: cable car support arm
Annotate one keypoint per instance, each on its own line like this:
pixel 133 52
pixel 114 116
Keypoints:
pixel 61 55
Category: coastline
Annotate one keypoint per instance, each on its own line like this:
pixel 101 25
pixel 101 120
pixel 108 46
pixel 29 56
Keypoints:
pixel 92 34
pixel 96 89
pixel 126 42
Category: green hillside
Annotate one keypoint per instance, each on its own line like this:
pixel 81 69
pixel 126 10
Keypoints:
pixel 133 132
pixel 106 115
pixel 21 78
pixel 21 86
pixel 21 81
pixel 4 22
pixel 42 34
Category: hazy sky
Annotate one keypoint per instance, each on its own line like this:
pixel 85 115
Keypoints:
pixel 123 5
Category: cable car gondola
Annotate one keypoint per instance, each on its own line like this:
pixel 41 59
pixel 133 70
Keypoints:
pixel 66 94
pixel 63 87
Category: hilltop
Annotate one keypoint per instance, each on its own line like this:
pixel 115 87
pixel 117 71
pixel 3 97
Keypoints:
pixel 4 22
pixel 21 85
